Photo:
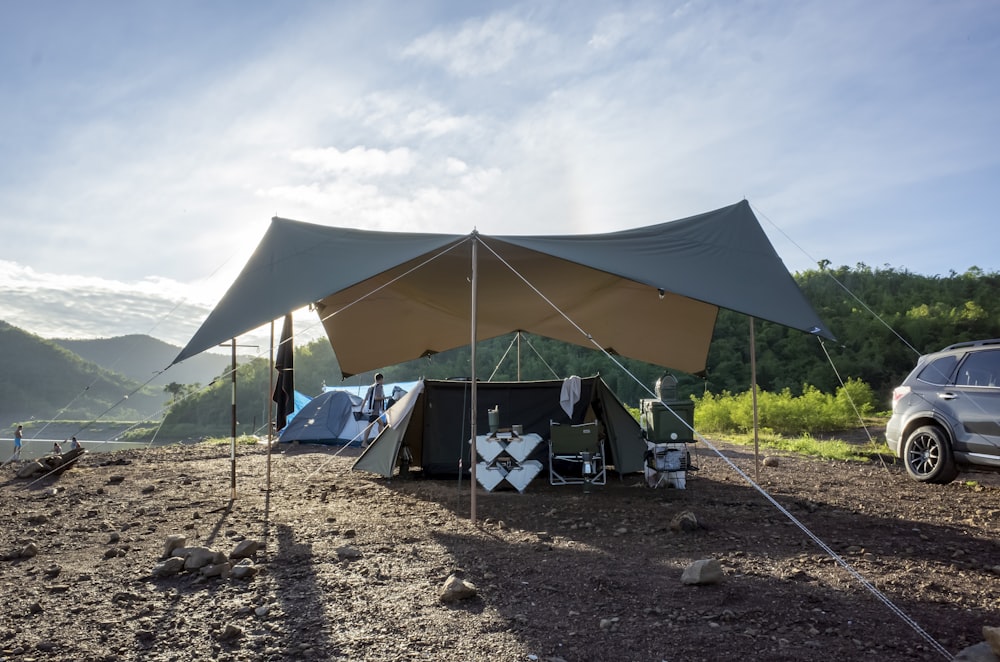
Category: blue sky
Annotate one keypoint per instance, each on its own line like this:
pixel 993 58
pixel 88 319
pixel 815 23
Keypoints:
pixel 146 145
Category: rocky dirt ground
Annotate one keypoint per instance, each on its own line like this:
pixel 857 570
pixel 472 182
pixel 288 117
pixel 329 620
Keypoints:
pixel 352 566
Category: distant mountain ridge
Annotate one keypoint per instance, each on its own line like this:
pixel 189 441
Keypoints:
pixel 140 357
pixel 83 380
pixel 42 380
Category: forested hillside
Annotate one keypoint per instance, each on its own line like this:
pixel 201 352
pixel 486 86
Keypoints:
pixel 40 379
pixel 142 358
pixel 883 319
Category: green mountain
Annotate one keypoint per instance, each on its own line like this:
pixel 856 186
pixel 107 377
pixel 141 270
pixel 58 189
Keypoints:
pixel 42 380
pixel 141 358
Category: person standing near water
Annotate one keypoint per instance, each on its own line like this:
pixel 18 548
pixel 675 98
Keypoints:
pixel 18 434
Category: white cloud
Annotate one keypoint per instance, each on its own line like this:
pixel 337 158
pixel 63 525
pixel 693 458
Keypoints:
pixel 358 161
pixel 480 46
pixel 609 31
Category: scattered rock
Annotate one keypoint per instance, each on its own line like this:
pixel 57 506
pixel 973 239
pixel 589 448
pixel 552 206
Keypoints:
pixel 196 558
pixel 992 637
pixel 173 542
pixel 609 624
pixel 231 632
pixel 981 652
pixel 245 549
pixel 348 553
pixel 456 589
pixel 169 567
pixel 116 479
pixel 215 570
pixel 702 572
pixel 245 569
pixel 684 521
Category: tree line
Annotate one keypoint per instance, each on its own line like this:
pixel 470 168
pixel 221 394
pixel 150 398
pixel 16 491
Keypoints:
pixel 883 318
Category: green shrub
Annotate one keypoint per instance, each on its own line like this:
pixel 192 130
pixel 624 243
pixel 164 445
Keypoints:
pixel 784 413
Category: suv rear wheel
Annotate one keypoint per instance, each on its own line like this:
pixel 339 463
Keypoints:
pixel 927 456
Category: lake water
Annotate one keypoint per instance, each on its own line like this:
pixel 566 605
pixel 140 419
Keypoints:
pixel 35 448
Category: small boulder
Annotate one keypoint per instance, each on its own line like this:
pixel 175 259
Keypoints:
pixel 168 568
pixel 981 652
pixel 702 572
pixel 684 521
pixel 245 549
pixel 245 569
pixel 348 553
pixel 231 632
pixel 456 589
pixel 992 637
pixel 196 558
pixel 173 542
pixel 215 570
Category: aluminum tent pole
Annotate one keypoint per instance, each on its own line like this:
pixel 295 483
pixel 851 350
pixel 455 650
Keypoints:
pixel 472 360
pixel 232 447
pixel 753 396
pixel 270 409
pixel 472 370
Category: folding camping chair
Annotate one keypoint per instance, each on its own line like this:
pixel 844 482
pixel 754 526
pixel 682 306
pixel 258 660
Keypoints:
pixel 576 455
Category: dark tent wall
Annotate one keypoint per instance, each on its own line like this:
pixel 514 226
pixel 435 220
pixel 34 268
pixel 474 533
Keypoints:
pixel 438 432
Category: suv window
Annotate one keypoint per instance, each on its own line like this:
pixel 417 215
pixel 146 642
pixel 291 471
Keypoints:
pixel 980 369
pixel 939 370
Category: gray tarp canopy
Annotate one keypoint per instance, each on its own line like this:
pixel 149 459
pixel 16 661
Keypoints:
pixel 650 293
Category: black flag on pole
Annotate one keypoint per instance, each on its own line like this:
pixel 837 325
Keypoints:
pixel 284 387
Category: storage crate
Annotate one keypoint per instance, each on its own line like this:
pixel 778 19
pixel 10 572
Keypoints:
pixel 662 425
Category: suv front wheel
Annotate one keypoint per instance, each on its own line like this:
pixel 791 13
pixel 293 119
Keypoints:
pixel 927 456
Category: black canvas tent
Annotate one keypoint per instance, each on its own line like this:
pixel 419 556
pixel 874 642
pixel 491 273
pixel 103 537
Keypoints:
pixel 432 421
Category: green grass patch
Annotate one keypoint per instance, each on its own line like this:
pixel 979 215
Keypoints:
pixel 828 449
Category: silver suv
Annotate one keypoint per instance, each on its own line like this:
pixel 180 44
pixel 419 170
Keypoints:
pixel 946 413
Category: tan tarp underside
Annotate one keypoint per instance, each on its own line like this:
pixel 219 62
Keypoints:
pixel 396 316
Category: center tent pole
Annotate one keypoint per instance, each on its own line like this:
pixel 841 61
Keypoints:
pixel 270 408
pixel 753 396
pixel 472 360
pixel 232 447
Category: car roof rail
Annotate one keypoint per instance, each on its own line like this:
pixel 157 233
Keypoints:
pixel 973 343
